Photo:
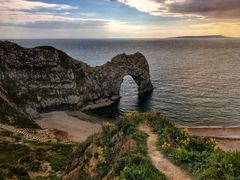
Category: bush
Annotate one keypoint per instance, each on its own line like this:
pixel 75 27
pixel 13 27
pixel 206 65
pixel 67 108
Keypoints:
pixel 141 172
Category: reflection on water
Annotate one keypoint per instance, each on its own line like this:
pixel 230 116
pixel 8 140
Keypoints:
pixel 144 102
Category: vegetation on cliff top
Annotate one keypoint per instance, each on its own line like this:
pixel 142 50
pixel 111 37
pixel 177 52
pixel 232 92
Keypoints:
pixel 120 150
pixel 200 156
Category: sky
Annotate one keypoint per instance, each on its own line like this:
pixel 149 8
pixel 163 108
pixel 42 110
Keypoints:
pixel 36 19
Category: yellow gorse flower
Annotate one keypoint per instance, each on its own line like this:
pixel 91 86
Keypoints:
pixel 165 145
pixel 178 149
pixel 132 113
pixel 214 144
pixel 185 141
pixel 100 156
pixel 107 123
pixel 185 131
pixel 85 169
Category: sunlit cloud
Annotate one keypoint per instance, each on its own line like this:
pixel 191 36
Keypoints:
pixel 217 9
pixel 149 6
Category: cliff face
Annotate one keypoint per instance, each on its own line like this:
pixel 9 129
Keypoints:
pixel 44 78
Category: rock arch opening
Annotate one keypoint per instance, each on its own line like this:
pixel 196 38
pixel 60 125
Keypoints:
pixel 129 87
pixel 130 97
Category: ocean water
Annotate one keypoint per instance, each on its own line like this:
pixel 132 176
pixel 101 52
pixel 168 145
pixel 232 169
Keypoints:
pixel 196 81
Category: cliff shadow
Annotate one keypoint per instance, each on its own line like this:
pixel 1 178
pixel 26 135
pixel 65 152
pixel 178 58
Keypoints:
pixel 130 100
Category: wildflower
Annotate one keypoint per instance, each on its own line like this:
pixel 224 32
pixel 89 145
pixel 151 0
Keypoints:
pixel 100 156
pixel 212 140
pixel 132 113
pixel 185 131
pixel 107 123
pixel 178 149
pixel 85 169
pixel 215 148
pixel 214 144
pixel 184 142
pixel 165 145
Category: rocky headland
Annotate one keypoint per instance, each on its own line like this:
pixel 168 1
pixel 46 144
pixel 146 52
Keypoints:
pixel 40 79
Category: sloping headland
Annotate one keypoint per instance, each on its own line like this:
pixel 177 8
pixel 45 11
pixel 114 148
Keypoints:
pixel 206 37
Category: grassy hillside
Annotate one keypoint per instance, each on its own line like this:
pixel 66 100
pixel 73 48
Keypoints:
pixel 119 150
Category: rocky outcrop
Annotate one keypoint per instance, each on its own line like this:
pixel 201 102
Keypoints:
pixel 44 78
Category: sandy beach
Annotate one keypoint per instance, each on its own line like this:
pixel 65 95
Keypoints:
pixel 77 125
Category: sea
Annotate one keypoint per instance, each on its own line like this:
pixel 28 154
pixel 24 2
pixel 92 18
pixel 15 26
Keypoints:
pixel 196 81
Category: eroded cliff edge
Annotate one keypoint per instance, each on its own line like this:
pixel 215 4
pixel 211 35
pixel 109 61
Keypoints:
pixel 43 78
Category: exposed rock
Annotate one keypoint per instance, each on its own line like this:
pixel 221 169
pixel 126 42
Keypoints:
pixel 43 78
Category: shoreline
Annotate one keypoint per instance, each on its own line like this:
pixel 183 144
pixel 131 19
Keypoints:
pixel 220 133
pixel 211 127
pixel 228 139
pixel 79 126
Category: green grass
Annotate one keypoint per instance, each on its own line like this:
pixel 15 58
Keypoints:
pixel 137 162
pixel 16 159
pixel 112 160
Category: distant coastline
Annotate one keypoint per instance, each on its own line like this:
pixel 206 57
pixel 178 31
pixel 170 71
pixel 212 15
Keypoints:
pixel 207 37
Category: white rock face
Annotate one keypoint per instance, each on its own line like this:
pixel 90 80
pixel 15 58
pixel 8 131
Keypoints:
pixel 44 77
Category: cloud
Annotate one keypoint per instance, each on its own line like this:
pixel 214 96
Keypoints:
pixel 66 24
pixel 13 5
pixel 13 13
pixel 217 9
pixel 21 18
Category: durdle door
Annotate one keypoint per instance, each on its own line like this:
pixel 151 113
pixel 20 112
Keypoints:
pixel 42 78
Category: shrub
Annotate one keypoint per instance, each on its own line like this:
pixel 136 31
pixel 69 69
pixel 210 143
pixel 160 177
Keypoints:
pixel 140 172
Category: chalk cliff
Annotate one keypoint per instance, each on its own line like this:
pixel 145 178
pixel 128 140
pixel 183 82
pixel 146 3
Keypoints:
pixel 45 78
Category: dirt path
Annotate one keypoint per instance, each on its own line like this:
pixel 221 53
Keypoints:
pixel 171 171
